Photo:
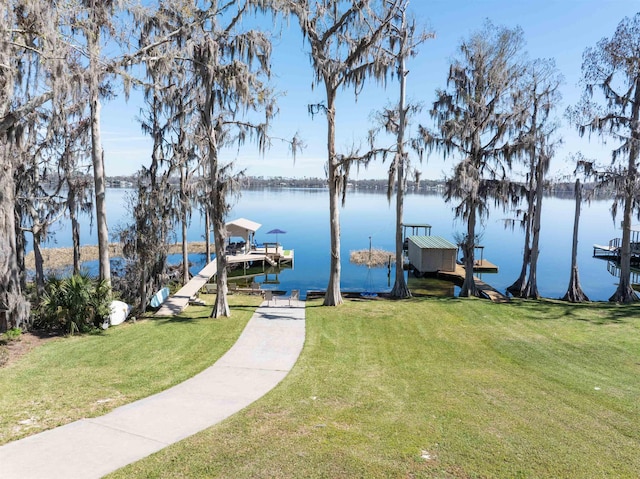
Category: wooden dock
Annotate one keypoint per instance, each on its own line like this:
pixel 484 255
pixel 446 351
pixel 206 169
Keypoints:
pixel 484 266
pixel 177 302
pixel 606 252
pixel 486 291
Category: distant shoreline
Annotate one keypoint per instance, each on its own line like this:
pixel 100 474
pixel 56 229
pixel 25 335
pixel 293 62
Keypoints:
pixel 55 258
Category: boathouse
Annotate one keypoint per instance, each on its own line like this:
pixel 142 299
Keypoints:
pixel 430 254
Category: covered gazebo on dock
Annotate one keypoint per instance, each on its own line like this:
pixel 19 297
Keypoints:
pixel 242 228
pixel 272 253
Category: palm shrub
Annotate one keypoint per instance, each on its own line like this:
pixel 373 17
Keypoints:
pixel 76 304
pixel 12 334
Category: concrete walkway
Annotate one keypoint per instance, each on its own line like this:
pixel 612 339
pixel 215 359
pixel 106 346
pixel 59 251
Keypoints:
pixel 90 448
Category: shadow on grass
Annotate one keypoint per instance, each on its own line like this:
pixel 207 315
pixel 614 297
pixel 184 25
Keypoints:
pixel 182 319
pixel 317 303
pixel 600 312
pixel 203 312
pixel 596 312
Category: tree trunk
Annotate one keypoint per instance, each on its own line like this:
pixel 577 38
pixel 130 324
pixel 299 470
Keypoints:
pixel 183 219
pixel 97 157
pixel 207 234
pixel 39 262
pixel 218 202
pixel 21 246
pixel 10 289
pixel 333 296
pixel 518 286
pixel 142 288
pixel 185 252
pixel 75 231
pixel 400 289
pixel 469 285
pixel 221 307
pixel 625 293
pixel 574 291
pixel 531 289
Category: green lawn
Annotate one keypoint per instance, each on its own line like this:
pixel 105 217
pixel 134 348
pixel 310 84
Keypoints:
pixel 438 388
pixel 84 376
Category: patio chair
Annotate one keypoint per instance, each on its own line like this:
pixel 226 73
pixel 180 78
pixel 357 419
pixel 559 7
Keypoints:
pixel 210 288
pixel 295 296
pixel 268 296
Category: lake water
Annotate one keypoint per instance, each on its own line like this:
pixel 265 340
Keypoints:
pixel 304 215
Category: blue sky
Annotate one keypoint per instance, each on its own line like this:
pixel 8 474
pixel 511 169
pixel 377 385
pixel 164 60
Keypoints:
pixel 559 29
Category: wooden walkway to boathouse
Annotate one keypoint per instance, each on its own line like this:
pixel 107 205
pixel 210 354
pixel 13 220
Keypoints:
pixel 487 291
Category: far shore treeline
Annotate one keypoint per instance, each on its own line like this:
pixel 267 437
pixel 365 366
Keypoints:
pixel 558 189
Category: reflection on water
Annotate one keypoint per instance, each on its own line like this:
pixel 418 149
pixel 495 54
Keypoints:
pixel 304 215
pixel 614 270
pixel 432 287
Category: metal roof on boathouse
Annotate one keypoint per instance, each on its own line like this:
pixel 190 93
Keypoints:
pixel 432 242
